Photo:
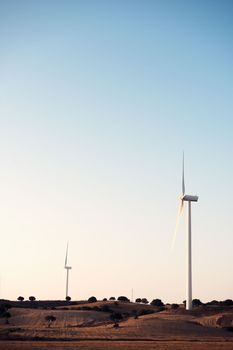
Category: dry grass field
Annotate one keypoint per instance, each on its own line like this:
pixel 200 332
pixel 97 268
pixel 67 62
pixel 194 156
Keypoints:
pixel 86 327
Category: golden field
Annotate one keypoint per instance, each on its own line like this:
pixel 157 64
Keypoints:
pixel 77 328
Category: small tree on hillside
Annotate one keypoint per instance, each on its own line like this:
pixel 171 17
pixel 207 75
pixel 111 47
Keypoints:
pixel 32 298
pixel 116 317
pixel 228 302
pixel 145 301
pixel 123 298
pixel 157 302
pixel 174 306
pixel 20 299
pixel 197 302
pixel 138 300
pixel 92 300
pixel 68 298
pixel 112 298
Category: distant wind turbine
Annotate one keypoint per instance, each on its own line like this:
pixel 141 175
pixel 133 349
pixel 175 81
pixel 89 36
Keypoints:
pixel 186 198
pixel 68 268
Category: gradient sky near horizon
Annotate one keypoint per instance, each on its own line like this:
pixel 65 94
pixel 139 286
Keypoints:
pixel 98 100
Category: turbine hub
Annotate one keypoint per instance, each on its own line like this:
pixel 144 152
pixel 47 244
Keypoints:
pixel 189 198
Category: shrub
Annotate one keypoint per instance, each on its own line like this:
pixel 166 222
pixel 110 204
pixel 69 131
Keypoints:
pixel 157 302
pixel 123 298
pixel 20 298
pixel 196 302
pixel 112 298
pixel 145 312
pixel 144 301
pixel 116 316
pixel 32 298
pixel 104 299
pixel 92 300
pixel 138 300
pixel 68 298
pixel 228 302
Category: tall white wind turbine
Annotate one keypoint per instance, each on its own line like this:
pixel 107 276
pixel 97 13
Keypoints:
pixel 68 268
pixel 189 199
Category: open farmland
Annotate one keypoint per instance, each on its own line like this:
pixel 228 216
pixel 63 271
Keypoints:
pixel 87 326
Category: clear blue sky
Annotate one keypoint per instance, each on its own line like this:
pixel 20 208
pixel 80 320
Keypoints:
pixel 98 101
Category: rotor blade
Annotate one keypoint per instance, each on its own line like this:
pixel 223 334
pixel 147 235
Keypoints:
pixel 183 184
pixel 66 254
pixel 180 210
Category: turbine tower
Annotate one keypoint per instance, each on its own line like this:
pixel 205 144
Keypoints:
pixel 189 199
pixel 68 268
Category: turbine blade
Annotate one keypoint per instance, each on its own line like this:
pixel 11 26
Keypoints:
pixel 183 184
pixel 66 254
pixel 180 210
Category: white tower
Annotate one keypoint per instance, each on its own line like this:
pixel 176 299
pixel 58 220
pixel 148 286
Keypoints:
pixel 189 199
pixel 68 268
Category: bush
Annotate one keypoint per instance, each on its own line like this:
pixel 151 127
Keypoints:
pixel 112 298
pixel 174 306
pixel 123 298
pixel 157 302
pixel 32 298
pixel 68 298
pixel 104 299
pixel 116 316
pixel 196 302
pixel 213 302
pixel 20 298
pixel 144 301
pixel 92 300
pixel 138 300
pixel 228 302
pixel 145 312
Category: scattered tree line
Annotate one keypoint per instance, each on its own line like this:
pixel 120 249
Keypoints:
pixel 154 302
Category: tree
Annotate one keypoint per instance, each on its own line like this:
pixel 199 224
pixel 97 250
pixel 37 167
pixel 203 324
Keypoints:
pixel 157 302
pixel 104 299
pixel 50 319
pixel 20 299
pixel 138 300
pixel 145 301
pixel 68 298
pixel 116 317
pixel 92 300
pixel 112 298
pixel 32 298
pixel 123 298
pixel 196 302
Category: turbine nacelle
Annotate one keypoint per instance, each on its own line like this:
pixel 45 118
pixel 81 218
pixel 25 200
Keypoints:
pixel 68 267
pixel 189 198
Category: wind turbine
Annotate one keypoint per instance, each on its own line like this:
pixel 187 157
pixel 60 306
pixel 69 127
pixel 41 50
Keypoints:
pixel 189 199
pixel 68 268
